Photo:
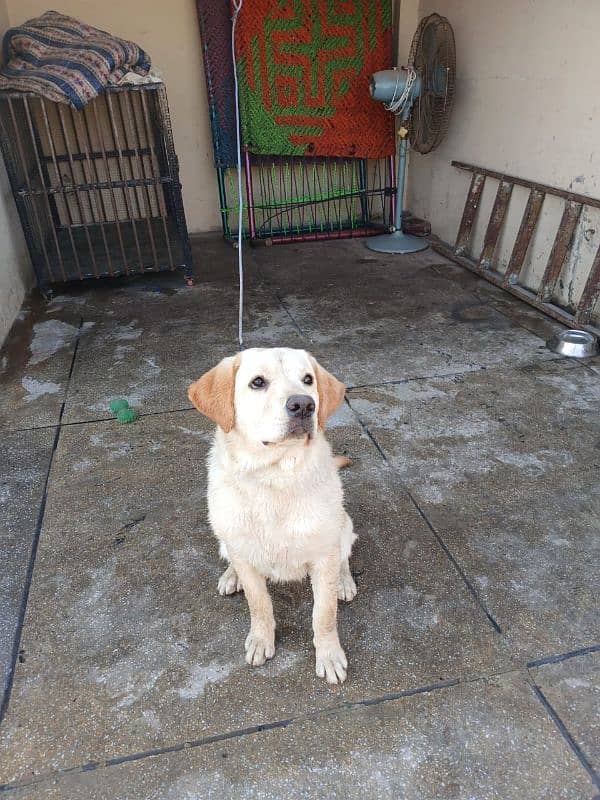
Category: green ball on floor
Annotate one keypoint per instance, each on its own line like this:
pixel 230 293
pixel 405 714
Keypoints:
pixel 118 405
pixel 126 415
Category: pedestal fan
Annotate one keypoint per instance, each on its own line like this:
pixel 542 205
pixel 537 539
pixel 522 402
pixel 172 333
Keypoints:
pixel 421 95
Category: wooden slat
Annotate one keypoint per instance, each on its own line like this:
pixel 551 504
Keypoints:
pixel 591 292
pixel 526 229
pixel 542 187
pixel 466 224
pixel 495 223
pixel 560 248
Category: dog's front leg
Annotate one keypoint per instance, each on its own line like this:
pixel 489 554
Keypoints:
pixel 260 642
pixel 330 658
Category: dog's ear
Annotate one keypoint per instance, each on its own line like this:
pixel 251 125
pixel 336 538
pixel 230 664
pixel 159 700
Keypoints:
pixel 331 393
pixel 213 393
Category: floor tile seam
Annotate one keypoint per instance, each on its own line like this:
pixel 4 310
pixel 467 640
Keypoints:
pixel 34 545
pixel 565 733
pixel 439 539
pixel 349 388
pixel 76 422
pixel 320 713
pixel 317 714
pixel 487 368
pixel 560 657
pixel 291 317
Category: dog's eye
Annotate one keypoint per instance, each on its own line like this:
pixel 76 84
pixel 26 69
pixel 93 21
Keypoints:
pixel 258 383
pixel 307 379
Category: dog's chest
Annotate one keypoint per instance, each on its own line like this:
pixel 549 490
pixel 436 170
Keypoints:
pixel 279 530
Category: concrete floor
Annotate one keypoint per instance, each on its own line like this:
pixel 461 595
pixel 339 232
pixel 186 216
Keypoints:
pixel 474 641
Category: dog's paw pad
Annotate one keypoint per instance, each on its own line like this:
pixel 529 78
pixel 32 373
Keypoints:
pixel 229 583
pixel 258 649
pixel 332 664
pixel 346 588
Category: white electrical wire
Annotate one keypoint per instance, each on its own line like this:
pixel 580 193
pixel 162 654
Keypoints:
pixel 397 104
pixel 237 5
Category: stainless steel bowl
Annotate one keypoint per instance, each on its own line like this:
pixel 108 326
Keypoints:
pixel 574 344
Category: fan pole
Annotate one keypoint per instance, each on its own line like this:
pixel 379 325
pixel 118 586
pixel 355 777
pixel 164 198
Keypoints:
pixel 398 242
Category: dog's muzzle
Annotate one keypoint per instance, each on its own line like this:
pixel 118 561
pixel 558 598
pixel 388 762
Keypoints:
pixel 300 409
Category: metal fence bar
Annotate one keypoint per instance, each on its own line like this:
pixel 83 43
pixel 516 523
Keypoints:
pixel 140 171
pixel 76 190
pixel 148 151
pixel 531 215
pixel 120 184
pixel 110 186
pixel 98 215
pixel 394 188
pixel 560 248
pixel 41 173
pixel 11 169
pixel 125 154
pixel 364 197
pixel 495 224
pixel 59 179
pixel 25 168
pixel 173 167
pixel 152 147
pixel 96 154
pixel 469 213
pixel 249 194
pixel 122 173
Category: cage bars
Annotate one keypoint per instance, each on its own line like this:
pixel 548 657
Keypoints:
pixel 97 190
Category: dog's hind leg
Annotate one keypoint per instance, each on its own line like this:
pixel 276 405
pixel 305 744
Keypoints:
pixel 346 585
pixel 229 582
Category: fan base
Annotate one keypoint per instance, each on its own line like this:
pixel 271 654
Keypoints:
pixel 396 242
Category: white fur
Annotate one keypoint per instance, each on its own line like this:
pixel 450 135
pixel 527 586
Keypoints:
pixel 276 503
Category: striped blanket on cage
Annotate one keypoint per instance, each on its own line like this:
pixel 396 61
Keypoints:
pixel 65 60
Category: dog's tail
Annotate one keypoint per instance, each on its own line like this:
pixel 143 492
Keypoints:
pixel 341 462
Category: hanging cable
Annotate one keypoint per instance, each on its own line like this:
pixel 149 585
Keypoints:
pixel 397 104
pixel 237 5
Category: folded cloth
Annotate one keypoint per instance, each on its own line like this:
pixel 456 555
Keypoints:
pixel 65 60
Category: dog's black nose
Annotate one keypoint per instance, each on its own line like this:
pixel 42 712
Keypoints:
pixel 300 405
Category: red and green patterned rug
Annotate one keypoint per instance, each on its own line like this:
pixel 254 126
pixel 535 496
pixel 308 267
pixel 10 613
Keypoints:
pixel 304 68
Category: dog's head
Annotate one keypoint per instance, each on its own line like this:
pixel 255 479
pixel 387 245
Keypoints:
pixel 270 396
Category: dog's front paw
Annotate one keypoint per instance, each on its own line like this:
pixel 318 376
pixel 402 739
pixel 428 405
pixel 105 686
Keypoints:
pixel 229 582
pixel 259 648
pixel 331 663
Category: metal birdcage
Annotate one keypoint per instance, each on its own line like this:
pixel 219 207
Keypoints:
pixel 97 190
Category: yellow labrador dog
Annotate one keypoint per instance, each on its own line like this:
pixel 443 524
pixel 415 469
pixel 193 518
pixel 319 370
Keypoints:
pixel 275 498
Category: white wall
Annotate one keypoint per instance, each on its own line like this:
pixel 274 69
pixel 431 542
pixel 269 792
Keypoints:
pixel 16 274
pixel 526 104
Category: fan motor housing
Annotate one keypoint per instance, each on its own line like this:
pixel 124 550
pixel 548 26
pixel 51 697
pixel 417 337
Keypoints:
pixel 389 84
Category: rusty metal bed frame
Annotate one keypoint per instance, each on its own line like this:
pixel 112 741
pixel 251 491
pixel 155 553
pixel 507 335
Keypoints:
pixel 542 297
